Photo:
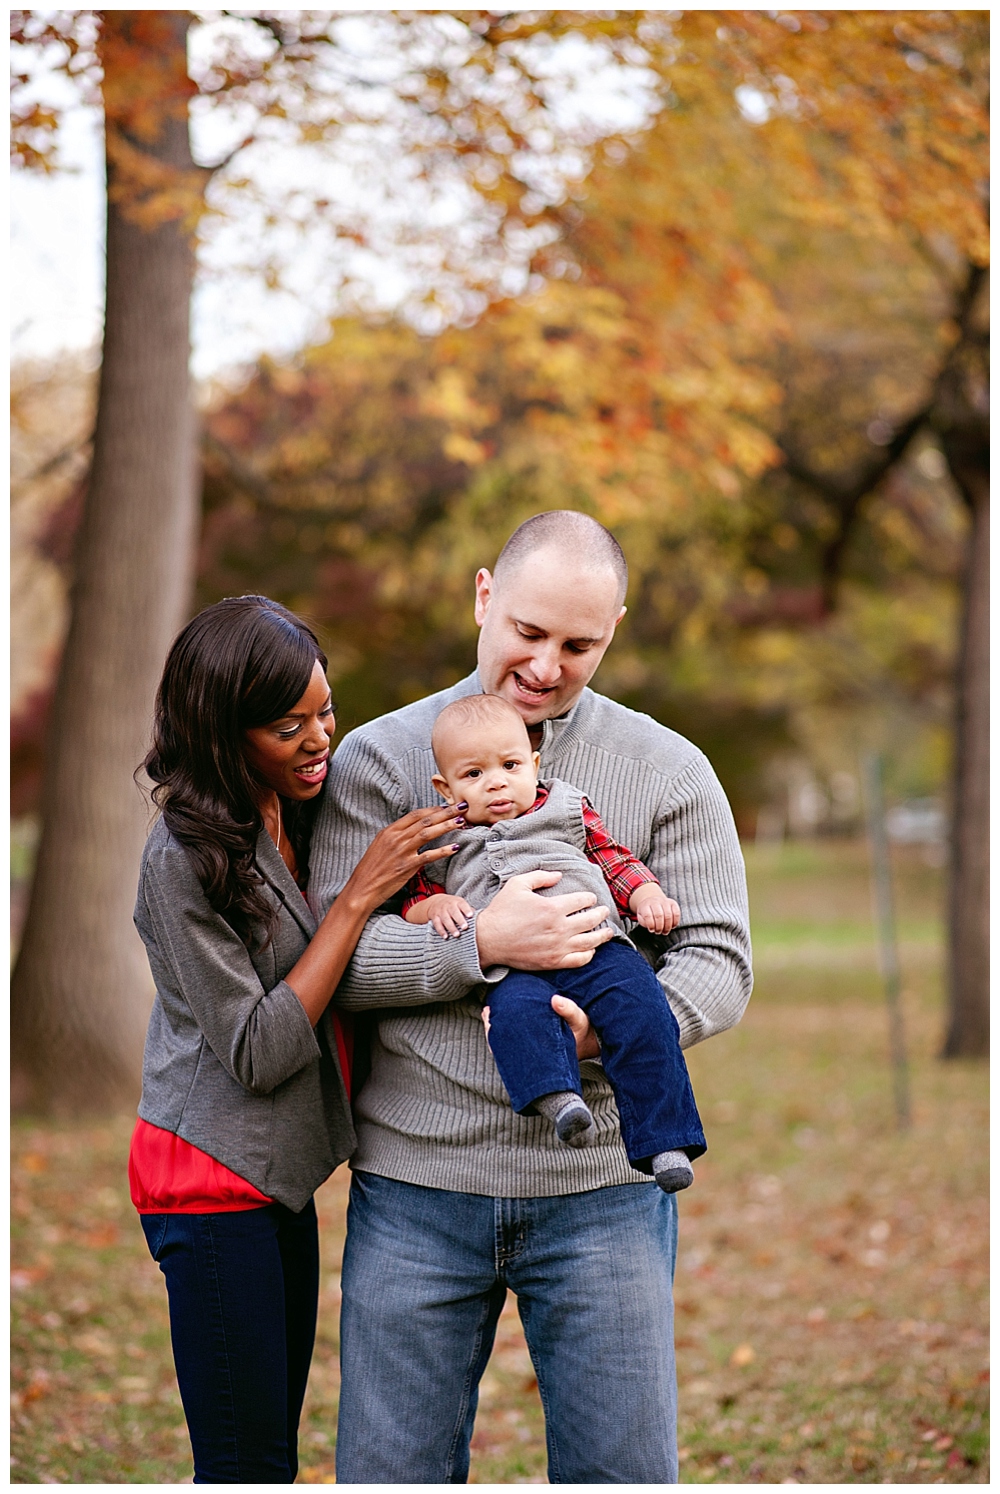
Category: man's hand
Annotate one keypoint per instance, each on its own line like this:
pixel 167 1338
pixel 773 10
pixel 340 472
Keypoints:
pixel 653 909
pixel 528 932
pixel 587 1045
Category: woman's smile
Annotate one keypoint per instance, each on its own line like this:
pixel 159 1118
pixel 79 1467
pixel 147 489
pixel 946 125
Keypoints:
pixel 313 772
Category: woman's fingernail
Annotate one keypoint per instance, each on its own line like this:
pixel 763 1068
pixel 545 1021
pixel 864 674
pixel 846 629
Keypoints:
pixel 460 820
pixel 464 804
pixel 454 848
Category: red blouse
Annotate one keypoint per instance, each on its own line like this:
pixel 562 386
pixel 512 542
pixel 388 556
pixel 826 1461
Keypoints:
pixel 168 1175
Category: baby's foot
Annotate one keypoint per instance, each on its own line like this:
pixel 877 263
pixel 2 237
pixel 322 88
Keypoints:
pixel 673 1171
pixel 571 1117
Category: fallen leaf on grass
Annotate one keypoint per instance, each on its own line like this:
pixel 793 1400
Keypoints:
pixel 94 1342
pixel 34 1162
pixel 101 1239
pixel 25 1277
pixel 38 1387
pixel 742 1355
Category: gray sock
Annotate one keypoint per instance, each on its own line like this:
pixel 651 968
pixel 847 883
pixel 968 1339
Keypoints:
pixel 571 1117
pixel 672 1171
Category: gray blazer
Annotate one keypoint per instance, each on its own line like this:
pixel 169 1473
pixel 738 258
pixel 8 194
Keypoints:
pixel 232 1064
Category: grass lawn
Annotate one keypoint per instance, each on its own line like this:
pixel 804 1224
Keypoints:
pixel 831 1283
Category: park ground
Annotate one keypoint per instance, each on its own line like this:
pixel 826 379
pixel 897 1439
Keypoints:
pixel 832 1275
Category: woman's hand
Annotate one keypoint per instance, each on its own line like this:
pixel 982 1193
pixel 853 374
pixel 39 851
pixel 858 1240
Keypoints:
pixel 387 865
pixel 395 855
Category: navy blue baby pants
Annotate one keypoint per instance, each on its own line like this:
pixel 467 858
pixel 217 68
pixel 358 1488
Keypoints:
pixel 640 1047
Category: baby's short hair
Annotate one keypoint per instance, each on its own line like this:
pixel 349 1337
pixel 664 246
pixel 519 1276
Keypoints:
pixel 470 710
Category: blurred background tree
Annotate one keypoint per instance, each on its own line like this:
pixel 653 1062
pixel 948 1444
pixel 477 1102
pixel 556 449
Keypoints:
pixel 464 91
pixel 754 346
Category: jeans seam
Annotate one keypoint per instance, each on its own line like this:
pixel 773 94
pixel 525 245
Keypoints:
pixel 466 1392
pixel 213 1277
pixel 552 1446
pixel 157 1251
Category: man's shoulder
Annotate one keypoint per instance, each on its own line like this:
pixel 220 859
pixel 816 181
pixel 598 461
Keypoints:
pixel 401 731
pixel 633 736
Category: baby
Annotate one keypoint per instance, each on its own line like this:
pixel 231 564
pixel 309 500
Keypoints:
pixel 516 824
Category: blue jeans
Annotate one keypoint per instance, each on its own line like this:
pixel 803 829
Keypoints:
pixel 640 1047
pixel 424 1278
pixel 243 1290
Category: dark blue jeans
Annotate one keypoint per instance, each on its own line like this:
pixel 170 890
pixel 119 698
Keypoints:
pixel 640 1047
pixel 243 1291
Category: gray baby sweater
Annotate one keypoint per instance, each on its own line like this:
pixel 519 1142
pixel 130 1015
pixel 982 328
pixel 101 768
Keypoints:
pixel 552 837
pixel 433 1110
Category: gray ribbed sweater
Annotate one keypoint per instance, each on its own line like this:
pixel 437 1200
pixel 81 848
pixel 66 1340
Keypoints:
pixel 433 1110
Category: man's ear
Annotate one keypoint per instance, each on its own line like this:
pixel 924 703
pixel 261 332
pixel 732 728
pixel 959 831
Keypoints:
pixel 441 784
pixel 484 595
pixel 620 616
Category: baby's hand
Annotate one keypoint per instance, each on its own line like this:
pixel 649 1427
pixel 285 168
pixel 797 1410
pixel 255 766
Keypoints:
pixel 653 909
pixel 448 914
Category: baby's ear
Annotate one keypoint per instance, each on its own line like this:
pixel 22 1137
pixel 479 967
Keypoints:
pixel 536 758
pixel 441 784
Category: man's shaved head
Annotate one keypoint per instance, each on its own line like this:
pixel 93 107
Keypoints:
pixel 576 537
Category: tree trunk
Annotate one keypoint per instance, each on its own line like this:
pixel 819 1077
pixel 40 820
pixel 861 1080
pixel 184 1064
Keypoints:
pixel 963 422
pixel 82 990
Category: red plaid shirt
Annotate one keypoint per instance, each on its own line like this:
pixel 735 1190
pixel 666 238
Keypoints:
pixel 622 871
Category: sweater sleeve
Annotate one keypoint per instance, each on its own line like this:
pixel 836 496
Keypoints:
pixel 704 965
pixel 260 1037
pixel 395 964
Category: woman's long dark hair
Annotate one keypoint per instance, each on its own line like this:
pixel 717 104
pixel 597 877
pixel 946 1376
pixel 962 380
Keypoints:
pixel 243 662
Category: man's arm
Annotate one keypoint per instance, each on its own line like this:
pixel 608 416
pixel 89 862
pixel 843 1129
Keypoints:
pixel 395 963
pixel 695 853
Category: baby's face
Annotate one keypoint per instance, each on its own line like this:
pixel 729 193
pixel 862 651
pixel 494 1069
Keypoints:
pixel 492 766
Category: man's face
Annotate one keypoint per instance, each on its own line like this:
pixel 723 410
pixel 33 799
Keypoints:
pixel 544 631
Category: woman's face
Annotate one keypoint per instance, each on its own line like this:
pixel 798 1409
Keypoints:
pixel 290 755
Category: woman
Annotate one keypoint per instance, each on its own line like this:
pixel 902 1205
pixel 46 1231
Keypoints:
pixel 245 1101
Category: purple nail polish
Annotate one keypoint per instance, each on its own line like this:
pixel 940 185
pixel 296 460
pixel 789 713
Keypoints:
pixel 464 804
pixel 454 848
pixel 460 821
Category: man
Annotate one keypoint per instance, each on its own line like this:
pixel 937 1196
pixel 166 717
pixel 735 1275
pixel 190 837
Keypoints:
pixel 454 1196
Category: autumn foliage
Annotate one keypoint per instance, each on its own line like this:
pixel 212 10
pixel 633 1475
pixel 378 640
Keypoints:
pixel 746 306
